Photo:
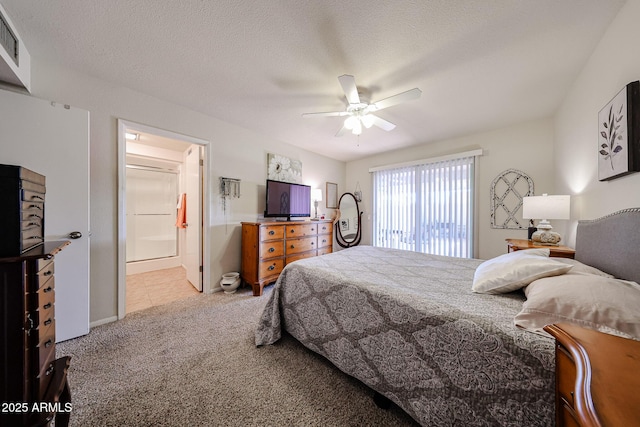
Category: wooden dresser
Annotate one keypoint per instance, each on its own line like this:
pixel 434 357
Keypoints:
pixel 597 378
pixel 268 246
pixel 29 371
pixel 33 383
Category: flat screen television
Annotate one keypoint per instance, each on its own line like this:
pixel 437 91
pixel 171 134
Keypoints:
pixel 287 200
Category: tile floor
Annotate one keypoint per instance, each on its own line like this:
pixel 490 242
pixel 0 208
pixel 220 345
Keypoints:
pixel 158 287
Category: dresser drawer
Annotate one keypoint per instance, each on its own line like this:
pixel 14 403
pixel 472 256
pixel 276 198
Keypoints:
pixel 31 235
pixel 301 230
pixel 297 246
pixel 45 272
pixel 40 348
pixel 325 240
pixel 32 210
pixel 325 250
pixel 41 384
pixel 303 255
pixel 270 268
pixel 325 228
pixel 31 196
pixel 272 249
pixel 271 232
pixel 566 376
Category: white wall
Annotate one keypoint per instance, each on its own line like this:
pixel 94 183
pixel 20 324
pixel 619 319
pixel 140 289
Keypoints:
pixel 235 152
pixel 614 63
pixel 525 147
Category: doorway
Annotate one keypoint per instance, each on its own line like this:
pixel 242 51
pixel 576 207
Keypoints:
pixel 161 253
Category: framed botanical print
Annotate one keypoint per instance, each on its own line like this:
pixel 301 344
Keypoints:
pixel 619 134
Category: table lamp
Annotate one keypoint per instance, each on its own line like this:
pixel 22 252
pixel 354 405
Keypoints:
pixel 545 208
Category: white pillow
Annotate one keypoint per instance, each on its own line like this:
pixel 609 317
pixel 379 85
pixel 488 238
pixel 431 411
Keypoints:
pixel 514 270
pixel 605 304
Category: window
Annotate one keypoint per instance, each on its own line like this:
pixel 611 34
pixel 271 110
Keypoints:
pixel 425 207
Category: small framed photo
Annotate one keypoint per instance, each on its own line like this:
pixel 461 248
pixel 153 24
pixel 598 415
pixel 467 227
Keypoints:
pixel 619 134
pixel 344 224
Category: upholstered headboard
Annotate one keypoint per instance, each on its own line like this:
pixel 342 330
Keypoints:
pixel 611 243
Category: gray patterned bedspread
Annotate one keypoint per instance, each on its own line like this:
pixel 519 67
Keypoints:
pixel 407 325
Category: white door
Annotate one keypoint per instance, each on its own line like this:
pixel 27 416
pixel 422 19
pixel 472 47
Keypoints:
pixel 53 140
pixel 193 250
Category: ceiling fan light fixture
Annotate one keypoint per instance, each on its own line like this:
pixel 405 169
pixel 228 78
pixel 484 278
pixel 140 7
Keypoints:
pixel 350 122
pixel 357 127
pixel 367 121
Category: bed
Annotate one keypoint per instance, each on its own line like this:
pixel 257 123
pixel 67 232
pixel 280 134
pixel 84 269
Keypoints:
pixel 410 326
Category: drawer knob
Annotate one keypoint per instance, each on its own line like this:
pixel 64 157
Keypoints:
pixel 292 230
pixel 48 344
pixel 271 233
pixel 272 249
pixel 47 306
pixel 47 322
pixel 48 289
pixel 292 247
pixel 47 273
pixel 272 267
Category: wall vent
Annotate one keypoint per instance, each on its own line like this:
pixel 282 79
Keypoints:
pixel 15 61
pixel 8 40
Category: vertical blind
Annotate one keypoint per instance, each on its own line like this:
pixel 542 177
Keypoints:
pixel 425 207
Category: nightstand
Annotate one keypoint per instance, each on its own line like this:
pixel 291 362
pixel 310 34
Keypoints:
pixel 555 251
pixel 597 379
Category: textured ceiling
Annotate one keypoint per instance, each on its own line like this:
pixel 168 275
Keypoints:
pixel 261 64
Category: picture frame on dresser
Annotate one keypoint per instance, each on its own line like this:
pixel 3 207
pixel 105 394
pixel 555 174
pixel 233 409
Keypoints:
pixel 619 134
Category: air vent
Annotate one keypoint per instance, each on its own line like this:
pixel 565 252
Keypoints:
pixel 8 40
pixel 15 61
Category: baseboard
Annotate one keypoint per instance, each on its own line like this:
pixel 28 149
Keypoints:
pixel 103 321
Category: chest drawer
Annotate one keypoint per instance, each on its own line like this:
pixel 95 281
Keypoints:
pixel 325 240
pixel 301 230
pixel 296 246
pixel 271 232
pixel 272 249
pixel 271 267
pixel 566 376
pixel 325 228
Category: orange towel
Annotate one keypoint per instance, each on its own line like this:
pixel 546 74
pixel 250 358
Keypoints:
pixel 181 221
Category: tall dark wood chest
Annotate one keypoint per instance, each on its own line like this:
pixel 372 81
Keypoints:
pixel 33 383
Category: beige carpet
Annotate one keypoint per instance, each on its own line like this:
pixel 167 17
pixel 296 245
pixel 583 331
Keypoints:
pixel 194 363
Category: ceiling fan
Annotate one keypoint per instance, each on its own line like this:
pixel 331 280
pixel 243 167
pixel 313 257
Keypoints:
pixel 359 112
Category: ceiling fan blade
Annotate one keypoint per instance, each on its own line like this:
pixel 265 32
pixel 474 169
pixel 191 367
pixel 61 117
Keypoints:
pixel 327 114
pixel 382 123
pixel 342 131
pixel 396 99
pixel 348 84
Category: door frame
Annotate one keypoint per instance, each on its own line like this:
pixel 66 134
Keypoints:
pixel 123 127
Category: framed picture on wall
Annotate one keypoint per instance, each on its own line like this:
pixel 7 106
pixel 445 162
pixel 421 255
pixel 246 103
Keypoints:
pixel 619 134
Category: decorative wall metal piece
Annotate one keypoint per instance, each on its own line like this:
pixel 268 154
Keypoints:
pixel 507 191
pixel 230 187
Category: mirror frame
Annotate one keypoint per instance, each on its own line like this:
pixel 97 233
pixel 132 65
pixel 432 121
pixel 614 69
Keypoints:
pixel 339 238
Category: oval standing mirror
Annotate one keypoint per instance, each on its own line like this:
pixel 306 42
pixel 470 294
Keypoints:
pixel 348 224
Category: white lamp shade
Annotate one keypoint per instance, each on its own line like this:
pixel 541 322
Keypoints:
pixel 546 207
pixel 316 195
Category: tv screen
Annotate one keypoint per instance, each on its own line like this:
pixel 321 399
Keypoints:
pixel 285 199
